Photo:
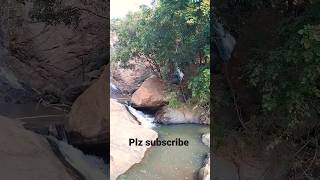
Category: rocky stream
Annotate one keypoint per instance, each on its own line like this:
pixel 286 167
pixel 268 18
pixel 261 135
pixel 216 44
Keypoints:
pixel 141 103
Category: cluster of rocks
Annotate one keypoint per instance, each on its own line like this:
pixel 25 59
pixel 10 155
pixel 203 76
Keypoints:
pixel 89 122
pixel 152 94
pixel 55 63
pixel 147 91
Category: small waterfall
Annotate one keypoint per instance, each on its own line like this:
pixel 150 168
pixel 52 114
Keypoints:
pixel 145 119
pixel 114 87
pixel 180 73
pixel 224 41
pixel 91 167
pixel 114 90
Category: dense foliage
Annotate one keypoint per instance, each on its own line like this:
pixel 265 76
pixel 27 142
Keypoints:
pixel 173 33
pixel 285 76
pixel 200 86
pixel 289 81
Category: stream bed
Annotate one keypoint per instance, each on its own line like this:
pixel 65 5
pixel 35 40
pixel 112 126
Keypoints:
pixel 172 162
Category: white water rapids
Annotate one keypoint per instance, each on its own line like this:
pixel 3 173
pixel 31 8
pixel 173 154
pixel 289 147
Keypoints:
pixel 145 119
pixel 114 87
pixel 91 167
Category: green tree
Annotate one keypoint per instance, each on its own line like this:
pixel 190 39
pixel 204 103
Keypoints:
pixel 173 33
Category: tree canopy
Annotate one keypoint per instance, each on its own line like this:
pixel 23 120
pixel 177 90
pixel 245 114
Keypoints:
pixel 171 32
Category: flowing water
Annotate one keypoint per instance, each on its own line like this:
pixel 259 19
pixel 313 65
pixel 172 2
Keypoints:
pixel 146 120
pixel 168 162
pixel 171 162
pixel 91 167
pixel 38 119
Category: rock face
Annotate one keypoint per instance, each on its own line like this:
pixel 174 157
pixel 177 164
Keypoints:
pixel 130 78
pixel 26 155
pixel 38 53
pixel 122 128
pixel 89 114
pixel 181 115
pixel 235 160
pixel 204 173
pixel 151 94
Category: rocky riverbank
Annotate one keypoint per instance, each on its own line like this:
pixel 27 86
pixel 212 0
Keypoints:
pixel 149 94
pixel 123 127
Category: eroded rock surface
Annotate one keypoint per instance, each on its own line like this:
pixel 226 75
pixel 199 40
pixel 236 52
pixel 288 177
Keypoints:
pixel 26 155
pixel 181 115
pixel 151 94
pixel 123 127
pixel 129 79
pixel 46 58
pixel 89 116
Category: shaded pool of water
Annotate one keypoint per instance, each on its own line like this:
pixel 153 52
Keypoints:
pixel 172 163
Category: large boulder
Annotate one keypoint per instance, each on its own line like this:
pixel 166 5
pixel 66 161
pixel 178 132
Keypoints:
pixel 123 127
pixel 180 115
pixel 26 155
pixel 151 94
pixel 45 57
pixel 88 119
pixel 130 77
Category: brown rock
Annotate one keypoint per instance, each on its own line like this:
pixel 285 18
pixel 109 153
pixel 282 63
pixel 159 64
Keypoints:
pixel 183 114
pixel 40 55
pixel 26 155
pixel 130 78
pixel 123 127
pixel 151 94
pixel 89 114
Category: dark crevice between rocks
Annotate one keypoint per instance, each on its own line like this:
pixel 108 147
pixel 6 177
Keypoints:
pixel 147 110
pixel 99 147
pixel 150 111
pixel 101 150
